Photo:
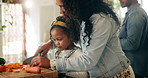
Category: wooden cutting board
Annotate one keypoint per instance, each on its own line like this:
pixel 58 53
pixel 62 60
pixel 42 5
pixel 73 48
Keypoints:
pixel 45 73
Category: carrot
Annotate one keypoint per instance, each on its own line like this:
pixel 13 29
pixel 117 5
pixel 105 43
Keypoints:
pixel 9 70
pixel 33 69
pixel 14 65
pixel 16 71
pixel 2 68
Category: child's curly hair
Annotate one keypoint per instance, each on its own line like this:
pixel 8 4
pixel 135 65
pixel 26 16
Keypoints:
pixel 71 29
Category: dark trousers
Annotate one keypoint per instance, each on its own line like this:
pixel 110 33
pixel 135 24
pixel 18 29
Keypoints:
pixel 139 62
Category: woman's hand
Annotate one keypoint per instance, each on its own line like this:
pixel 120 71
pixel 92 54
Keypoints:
pixel 40 61
pixel 45 48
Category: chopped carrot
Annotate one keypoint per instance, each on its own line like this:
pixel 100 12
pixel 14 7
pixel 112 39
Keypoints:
pixel 2 68
pixel 33 69
pixel 14 65
pixel 16 71
pixel 9 70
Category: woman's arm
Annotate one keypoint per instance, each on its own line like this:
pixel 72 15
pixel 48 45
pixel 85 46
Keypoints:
pixel 91 55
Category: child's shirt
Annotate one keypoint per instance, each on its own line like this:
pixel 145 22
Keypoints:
pixel 53 54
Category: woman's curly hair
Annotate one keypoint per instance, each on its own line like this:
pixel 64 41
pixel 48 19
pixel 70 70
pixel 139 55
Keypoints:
pixel 72 28
pixel 84 9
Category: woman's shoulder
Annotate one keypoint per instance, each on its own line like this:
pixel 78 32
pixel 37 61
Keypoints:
pixel 99 16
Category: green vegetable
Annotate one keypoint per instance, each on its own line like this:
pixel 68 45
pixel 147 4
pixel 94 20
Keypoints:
pixel 2 61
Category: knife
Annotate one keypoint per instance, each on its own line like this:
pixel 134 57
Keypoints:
pixel 28 60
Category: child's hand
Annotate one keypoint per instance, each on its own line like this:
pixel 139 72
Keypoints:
pixel 40 61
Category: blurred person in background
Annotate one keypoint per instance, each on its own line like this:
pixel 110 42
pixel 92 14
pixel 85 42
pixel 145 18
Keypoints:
pixel 134 37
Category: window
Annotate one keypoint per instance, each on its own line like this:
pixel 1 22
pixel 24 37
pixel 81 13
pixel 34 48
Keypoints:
pixel 12 44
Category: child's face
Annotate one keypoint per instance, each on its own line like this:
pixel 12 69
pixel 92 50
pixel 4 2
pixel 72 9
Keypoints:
pixel 61 40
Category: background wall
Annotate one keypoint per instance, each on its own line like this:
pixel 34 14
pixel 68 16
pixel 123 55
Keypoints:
pixel 0 34
pixel 145 5
pixel 39 18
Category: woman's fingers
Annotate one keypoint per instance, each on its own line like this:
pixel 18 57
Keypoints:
pixel 45 48
pixel 45 52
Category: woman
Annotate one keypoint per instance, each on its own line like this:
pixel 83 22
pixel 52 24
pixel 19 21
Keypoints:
pixel 102 54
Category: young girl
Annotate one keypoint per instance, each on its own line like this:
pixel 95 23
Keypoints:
pixel 64 39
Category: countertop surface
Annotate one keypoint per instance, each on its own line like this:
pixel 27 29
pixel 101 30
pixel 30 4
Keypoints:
pixel 45 73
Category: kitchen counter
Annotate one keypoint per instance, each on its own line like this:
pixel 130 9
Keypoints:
pixel 45 73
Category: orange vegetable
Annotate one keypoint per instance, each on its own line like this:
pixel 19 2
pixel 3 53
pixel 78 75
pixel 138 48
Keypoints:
pixel 23 68
pixel 16 71
pixel 33 69
pixel 2 68
pixel 9 70
pixel 14 65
